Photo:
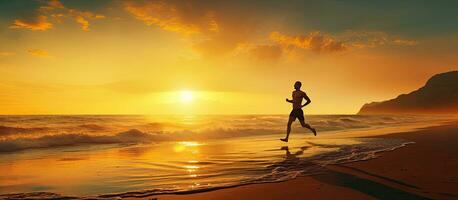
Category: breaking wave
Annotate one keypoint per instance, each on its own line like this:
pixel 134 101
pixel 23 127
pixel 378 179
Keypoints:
pixel 132 136
pixel 30 132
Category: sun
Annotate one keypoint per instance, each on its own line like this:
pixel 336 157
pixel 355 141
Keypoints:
pixel 186 96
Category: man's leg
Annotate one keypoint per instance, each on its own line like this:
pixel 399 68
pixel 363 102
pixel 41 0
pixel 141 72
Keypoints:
pixel 288 128
pixel 305 125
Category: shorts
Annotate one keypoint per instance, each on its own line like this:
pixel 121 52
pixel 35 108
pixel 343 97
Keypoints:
pixel 297 113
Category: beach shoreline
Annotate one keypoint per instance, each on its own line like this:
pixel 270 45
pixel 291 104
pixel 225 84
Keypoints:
pixel 397 172
pixel 426 169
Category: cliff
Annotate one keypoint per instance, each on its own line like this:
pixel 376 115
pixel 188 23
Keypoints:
pixel 438 96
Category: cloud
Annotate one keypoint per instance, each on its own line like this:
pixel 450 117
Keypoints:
pixel 173 17
pixel 56 10
pixel 38 23
pixel 6 53
pixel 160 15
pixel 215 31
pixel 39 53
pixel 371 39
pixel 83 22
pixel 211 29
pixel 83 17
pixel 320 42
pixel 314 41
pixel 277 45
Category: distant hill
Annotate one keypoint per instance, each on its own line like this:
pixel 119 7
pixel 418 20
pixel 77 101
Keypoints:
pixel 438 96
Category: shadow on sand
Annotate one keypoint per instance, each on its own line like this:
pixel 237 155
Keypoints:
pixel 363 185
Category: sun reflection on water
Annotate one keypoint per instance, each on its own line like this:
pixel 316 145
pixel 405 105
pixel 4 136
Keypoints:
pixel 191 167
pixel 190 143
pixel 191 146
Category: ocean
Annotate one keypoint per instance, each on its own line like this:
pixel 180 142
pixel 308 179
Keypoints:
pixel 122 156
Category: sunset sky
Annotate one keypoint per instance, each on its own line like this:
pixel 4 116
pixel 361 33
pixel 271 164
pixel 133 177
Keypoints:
pixel 218 57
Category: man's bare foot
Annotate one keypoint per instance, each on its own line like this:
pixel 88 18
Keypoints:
pixel 284 140
pixel 314 131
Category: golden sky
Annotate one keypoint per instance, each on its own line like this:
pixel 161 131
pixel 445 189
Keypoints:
pixel 217 57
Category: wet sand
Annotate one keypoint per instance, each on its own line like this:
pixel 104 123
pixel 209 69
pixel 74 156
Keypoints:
pixel 427 169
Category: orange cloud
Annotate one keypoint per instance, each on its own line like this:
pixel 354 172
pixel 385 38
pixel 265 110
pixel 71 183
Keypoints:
pixel 57 10
pixel 325 43
pixel 39 23
pixel 83 22
pixel 39 53
pixel 213 30
pixel 314 41
pixel 82 17
pixel 51 5
pixel 370 39
pixel 171 17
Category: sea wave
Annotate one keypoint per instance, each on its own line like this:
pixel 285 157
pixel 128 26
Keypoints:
pixel 7 130
pixel 133 136
pixel 31 132
pixel 59 140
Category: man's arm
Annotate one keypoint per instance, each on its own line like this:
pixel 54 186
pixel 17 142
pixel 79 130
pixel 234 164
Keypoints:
pixel 290 101
pixel 307 100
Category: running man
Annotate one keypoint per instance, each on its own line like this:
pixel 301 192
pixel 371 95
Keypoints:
pixel 297 112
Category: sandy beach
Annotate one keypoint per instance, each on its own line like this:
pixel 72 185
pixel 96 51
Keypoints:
pixel 427 169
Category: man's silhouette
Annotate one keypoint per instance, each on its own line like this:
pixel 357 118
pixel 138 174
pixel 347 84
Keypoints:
pixel 297 112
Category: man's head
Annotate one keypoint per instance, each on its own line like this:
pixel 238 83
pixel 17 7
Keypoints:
pixel 297 85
